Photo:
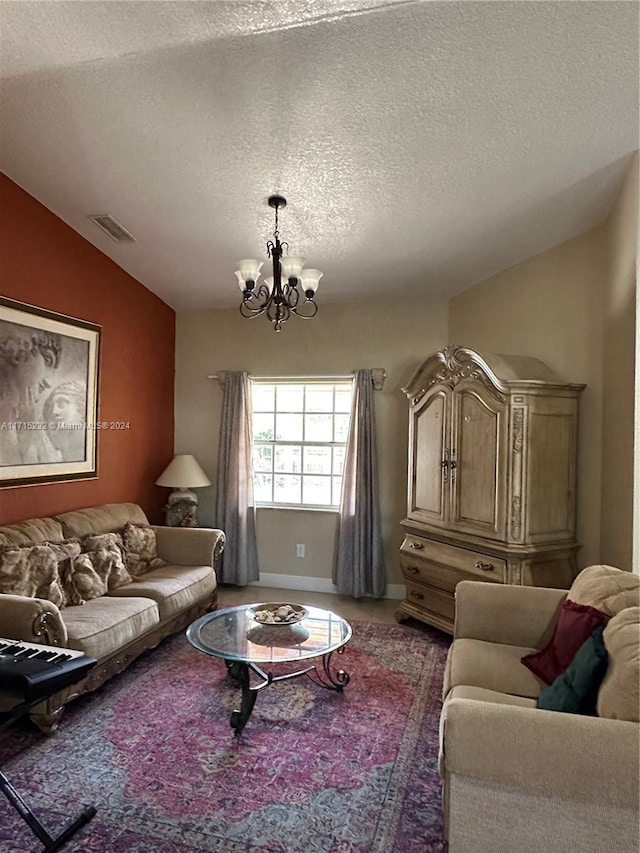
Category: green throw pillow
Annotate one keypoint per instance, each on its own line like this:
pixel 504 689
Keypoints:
pixel 575 691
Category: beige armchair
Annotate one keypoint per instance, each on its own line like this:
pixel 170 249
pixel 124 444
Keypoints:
pixel 517 779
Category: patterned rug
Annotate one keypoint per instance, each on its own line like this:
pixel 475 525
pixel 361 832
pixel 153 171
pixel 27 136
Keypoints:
pixel 314 770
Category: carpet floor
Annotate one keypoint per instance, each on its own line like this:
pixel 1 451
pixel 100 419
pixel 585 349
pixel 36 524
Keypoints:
pixel 313 771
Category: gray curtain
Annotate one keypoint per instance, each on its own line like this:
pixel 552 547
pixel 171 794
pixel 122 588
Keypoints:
pixel 235 509
pixel 358 566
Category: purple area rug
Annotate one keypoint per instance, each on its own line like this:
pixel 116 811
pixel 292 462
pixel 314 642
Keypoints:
pixel 313 770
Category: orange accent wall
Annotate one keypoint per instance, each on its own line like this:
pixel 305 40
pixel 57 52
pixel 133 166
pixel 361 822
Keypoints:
pixel 46 263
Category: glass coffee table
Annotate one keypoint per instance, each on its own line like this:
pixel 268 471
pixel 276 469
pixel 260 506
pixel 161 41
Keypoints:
pixel 248 647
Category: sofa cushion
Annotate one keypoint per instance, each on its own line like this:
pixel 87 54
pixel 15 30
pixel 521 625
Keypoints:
pixel 30 570
pixel 575 691
pixel 619 696
pixel 140 549
pixel 30 531
pixel 100 519
pixel 65 550
pixel 83 582
pixel 106 553
pixel 480 694
pixel 493 666
pixel 173 588
pixel 575 624
pixel 102 626
pixel 606 588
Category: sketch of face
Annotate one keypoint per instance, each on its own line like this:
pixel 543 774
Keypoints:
pixel 28 359
pixel 65 409
pixel 32 377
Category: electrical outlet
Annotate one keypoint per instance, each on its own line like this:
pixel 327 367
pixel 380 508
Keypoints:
pixel 299 550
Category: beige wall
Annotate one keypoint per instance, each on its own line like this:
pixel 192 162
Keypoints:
pixel 342 338
pixel 619 317
pixel 550 307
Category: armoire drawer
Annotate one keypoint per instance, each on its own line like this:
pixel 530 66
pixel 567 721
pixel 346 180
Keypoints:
pixel 420 549
pixel 433 600
pixel 433 574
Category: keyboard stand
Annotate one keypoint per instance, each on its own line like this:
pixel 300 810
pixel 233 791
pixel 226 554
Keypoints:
pixel 50 842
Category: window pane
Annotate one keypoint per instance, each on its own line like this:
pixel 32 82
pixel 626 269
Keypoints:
pixel 343 400
pixel 290 398
pixel 317 460
pixel 288 427
pixel 319 398
pixel 317 490
pixel 342 427
pixel 263 427
pixel 288 458
pixel 300 431
pixel 263 398
pixel 318 428
pixel 287 489
pixel 262 458
pixel 262 488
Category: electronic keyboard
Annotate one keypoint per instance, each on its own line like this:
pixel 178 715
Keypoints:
pixel 35 671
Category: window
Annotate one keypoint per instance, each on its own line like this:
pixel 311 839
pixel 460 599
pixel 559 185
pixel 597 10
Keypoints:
pixel 299 438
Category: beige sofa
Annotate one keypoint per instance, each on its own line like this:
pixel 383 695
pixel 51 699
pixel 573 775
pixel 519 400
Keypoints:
pixel 117 627
pixel 519 779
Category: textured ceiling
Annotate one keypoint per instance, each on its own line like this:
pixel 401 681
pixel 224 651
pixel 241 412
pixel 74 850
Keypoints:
pixel 422 146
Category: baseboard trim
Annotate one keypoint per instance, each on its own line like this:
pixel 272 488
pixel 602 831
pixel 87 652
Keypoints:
pixel 395 591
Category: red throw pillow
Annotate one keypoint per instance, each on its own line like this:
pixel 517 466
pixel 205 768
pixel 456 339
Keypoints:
pixel 575 625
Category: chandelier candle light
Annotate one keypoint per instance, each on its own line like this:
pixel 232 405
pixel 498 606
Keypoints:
pixel 280 295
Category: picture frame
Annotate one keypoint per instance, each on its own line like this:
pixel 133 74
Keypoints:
pixel 49 372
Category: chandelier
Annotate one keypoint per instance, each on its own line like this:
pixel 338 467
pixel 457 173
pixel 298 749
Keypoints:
pixel 289 291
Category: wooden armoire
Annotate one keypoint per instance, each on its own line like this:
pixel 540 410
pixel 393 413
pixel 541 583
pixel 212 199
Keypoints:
pixel 492 478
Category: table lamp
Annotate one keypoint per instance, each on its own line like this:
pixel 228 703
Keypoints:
pixel 182 474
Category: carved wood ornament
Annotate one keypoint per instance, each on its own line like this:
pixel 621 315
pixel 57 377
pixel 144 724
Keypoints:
pixel 450 366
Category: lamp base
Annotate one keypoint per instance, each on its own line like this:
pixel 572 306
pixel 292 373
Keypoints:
pixel 182 495
pixel 181 512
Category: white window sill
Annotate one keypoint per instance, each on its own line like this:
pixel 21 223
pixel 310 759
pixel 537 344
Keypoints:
pixel 329 509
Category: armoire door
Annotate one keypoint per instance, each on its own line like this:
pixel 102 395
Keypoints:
pixel 429 431
pixel 478 463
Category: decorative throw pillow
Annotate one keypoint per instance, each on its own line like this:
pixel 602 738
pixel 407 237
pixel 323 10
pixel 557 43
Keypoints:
pixel 30 570
pixel 105 551
pixel 606 588
pixel 575 691
pixel 65 550
pixel 83 581
pixel 619 696
pixel 140 549
pixel 576 623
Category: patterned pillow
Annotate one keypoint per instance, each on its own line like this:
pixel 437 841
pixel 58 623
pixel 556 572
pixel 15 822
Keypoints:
pixel 30 570
pixel 140 549
pixel 65 550
pixel 105 551
pixel 82 581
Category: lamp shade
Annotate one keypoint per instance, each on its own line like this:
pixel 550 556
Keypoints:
pixel 183 472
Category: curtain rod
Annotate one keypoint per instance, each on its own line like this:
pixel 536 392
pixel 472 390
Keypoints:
pixel 379 374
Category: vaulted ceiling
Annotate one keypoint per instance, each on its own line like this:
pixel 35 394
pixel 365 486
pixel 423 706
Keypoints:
pixel 421 146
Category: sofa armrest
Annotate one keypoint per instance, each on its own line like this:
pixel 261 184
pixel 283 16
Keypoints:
pixel 546 752
pixel 190 546
pixel 501 613
pixel 34 620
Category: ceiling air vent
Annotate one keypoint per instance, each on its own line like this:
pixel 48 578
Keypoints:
pixel 113 228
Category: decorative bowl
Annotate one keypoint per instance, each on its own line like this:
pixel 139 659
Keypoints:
pixel 277 613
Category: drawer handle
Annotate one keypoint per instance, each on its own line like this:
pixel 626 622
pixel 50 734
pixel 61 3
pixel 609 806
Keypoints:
pixel 418 546
pixel 486 567
pixel 417 595
pixel 413 570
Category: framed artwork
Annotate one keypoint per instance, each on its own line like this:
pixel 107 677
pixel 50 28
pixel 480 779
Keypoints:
pixel 48 396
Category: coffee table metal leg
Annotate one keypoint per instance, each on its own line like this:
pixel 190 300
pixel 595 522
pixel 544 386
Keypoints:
pixel 239 674
pixel 327 679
